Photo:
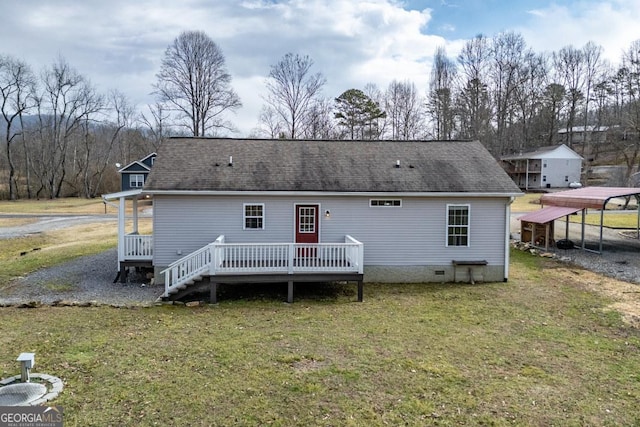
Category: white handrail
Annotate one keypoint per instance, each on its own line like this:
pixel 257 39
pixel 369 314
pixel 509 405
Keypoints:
pixel 186 269
pixel 138 247
pixel 220 257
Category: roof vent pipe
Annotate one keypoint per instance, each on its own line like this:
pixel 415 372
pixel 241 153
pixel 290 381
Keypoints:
pixel 397 163
pixel 230 160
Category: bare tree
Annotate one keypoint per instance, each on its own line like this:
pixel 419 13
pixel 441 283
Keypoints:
pixel 569 63
pixel 16 85
pixel 269 124
pixel 155 123
pixel 320 124
pixel 98 144
pixel 404 110
pixel 292 91
pixel 592 63
pixel 529 97
pixel 628 145
pixel 193 79
pixel 66 100
pixel 508 52
pixel 441 95
pixel 552 104
pixel 473 101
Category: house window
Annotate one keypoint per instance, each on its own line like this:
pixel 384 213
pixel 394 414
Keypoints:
pixel 385 202
pixel 136 180
pixel 254 217
pixel 566 178
pixel 457 225
pixel 544 178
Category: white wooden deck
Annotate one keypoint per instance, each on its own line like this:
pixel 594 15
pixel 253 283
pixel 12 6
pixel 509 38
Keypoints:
pixel 227 259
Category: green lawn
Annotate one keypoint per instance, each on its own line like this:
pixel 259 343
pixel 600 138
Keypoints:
pixel 611 219
pixel 539 350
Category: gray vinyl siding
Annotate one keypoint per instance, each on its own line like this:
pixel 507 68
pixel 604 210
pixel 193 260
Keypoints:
pixel 556 170
pixel 410 235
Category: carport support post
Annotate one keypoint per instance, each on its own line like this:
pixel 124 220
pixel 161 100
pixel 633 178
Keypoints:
pixel 638 224
pixel 601 225
pixel 584 213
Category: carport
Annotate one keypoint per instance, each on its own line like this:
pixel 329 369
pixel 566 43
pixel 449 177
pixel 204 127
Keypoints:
pixel 565 203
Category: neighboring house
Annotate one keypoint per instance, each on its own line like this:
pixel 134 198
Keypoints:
pixel 294 210
pixel 547 167
pixel 134 175
pixel 581 134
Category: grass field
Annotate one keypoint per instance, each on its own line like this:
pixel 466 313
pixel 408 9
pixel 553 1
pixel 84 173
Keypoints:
pixel 611 219
pixel 540 350
pixel 71 205
pixel 526 203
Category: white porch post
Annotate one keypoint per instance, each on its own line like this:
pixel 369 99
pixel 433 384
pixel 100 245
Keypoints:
pixel 135 215
pixel 121 230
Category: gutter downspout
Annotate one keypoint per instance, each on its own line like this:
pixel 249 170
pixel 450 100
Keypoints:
pixel 507 246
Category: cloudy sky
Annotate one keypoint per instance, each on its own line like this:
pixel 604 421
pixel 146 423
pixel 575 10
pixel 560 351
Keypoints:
pixel 118 44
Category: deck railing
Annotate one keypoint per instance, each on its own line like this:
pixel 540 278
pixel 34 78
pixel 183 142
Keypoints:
pixel 186 270
pixel 220 258
pixel 138 247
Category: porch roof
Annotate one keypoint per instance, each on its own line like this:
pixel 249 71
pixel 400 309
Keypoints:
pixel 548 214
pixel 125 194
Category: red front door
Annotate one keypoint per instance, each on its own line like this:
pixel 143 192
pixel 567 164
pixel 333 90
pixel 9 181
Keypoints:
pixel 307 223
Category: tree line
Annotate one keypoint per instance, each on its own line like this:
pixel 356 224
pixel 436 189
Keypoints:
pixel 61 137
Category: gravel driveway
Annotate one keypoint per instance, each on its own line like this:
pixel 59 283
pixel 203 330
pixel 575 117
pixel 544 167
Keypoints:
pixel 86 279
pixel 49 222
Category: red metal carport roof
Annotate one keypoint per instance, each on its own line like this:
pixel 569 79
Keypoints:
pixel 587 197
pixel 548 214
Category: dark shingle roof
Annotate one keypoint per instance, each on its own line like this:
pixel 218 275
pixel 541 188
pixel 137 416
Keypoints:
pixel 331 166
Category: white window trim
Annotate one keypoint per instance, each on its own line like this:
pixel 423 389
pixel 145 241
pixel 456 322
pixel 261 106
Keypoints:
pixel 371 205
pixel 446 234
pixel 131 180
pixel 244 216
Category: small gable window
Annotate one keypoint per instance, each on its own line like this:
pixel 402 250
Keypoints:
pixel 254 216
pixel 457 225
pixel 385 203
pixel 136 180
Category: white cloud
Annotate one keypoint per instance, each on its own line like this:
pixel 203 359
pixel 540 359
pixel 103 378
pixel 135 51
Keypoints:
pixel 611 24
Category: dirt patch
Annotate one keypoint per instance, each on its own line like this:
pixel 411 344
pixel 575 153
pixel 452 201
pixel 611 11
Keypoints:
pixel 625 296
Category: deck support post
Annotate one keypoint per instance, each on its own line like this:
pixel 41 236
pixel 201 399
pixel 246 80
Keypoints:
pixel 290 292
pixel 123 271
pixel 360 291
pixel 213 292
